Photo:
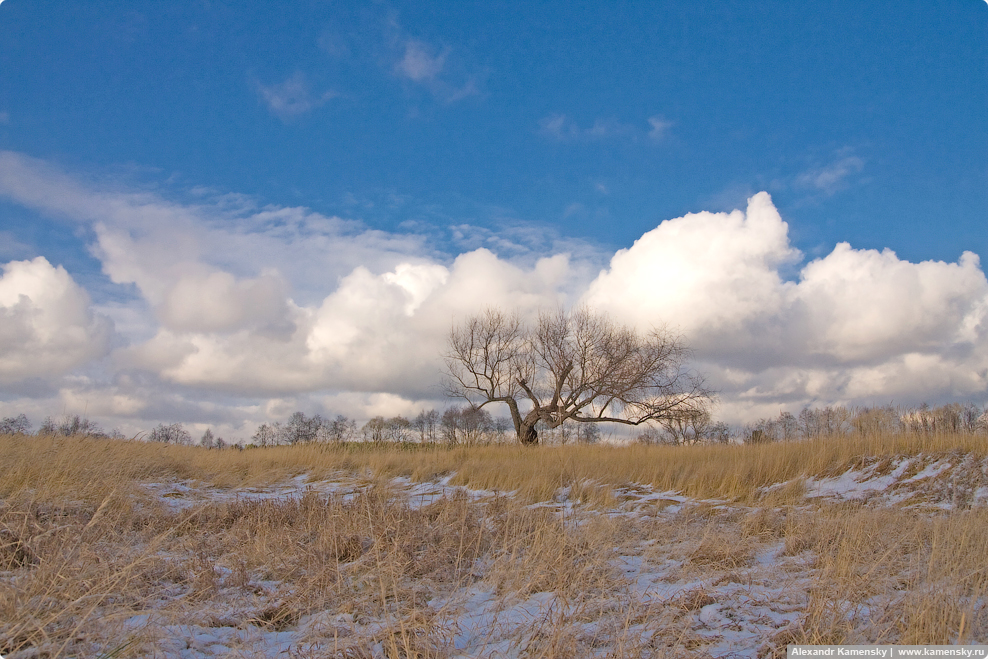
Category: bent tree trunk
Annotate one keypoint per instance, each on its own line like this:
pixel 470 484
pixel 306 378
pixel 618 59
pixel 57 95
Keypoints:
pixel 527 434
pixel 524 427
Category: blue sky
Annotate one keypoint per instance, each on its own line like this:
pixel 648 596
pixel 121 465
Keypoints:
pixel 389 133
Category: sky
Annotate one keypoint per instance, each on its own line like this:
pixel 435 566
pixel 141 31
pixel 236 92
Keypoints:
pixel 216 214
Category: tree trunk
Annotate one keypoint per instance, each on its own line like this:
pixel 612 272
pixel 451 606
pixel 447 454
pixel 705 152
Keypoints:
pixel 527 434
pixel 526 429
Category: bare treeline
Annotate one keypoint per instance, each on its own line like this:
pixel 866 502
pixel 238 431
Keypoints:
pixel 302 429
pixel 473 426
pixel 67 426
pixel 836 421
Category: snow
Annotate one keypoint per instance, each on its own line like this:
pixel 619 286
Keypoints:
pixel 724 610
pixel 743 610
pixel 937 484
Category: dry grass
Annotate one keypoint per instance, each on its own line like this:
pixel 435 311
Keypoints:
pixel 83 548
pixel 87 469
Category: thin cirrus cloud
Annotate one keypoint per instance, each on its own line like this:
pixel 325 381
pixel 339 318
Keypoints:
pixel 271 308
pixel 658 128
pixel 436 69
pixel 562 128
pixel 833 177
pixel 291 98
pixel 419 64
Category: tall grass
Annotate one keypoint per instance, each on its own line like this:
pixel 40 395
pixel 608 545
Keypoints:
pixel 83 548
pixel 88 469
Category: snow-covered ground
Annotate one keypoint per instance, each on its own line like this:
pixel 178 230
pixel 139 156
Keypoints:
pixel 672 594
pixel 921 482
pixel 723 609
pixel 684 576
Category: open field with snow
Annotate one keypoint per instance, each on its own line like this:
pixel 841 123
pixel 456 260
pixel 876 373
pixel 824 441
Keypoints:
pixel 124 549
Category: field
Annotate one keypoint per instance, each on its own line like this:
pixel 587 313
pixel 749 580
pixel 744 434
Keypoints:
pixel 127 549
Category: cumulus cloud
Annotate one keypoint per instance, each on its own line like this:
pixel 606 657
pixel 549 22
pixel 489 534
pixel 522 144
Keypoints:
pixel 856 326
pixel 374 333
pixel 47 327
pixel 291 98
pixel 703 272
pixel 244 312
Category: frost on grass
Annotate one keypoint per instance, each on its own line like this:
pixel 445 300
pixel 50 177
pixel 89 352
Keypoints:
pixel 350 568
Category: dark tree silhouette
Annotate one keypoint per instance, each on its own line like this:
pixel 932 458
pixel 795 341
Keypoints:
pixel 575 366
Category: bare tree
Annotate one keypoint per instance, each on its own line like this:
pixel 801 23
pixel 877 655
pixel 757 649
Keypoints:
pixel 426 424
pixel 171 434
pixel 340 429
pixel 208 440
pixel 15 425
pixel 265 436
pixel 578 366
pixel 690 427
pixel 71 426
pixel 374 430
pixel 301 429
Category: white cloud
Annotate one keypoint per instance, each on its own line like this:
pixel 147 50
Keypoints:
pixel 869 306
pixel 244 311
pixel 374 333
pixel 857 326
pixel 292 97
pixel 217 301
pixel 47 327
pixel 700 272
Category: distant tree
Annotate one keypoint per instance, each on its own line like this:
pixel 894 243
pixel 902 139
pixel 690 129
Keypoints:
pixel 651 436
pixel 171 434
pixel 877 420
pixel 757 436
pixel 577 366
pixel 719 433
pixel 300 429
pixel 687 427
pixel 474 424
pixel 374 430
pixel 426 424
pixel 397 429
pixel 825 421
pixel 340 429
pixel 16 425
pixel 587 433
pixel 265 435
pixel 71 426
pixel 207 441
pixel 788 426
pixel 449 425
pixel 971 418
pixel 502 426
